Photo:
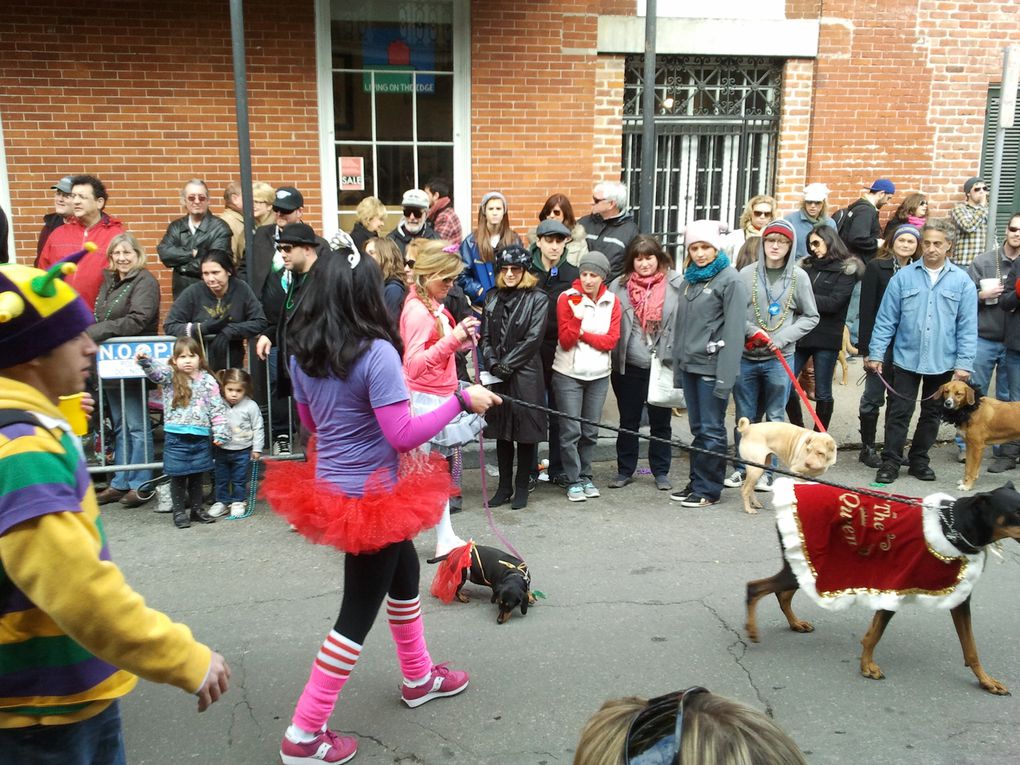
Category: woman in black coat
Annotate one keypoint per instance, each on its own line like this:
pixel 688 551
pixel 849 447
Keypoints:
pixel 513 327
pixel 834 273
pixel 221 311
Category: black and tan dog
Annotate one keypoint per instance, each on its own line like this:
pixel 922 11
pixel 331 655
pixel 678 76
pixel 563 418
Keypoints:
pixel 981 419
pixel 955 533
pixel 505 574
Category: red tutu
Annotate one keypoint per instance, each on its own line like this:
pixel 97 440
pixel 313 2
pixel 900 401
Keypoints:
pixel 451 572
pixel 382 516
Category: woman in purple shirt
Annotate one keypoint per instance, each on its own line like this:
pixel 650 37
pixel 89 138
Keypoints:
pixel 362 490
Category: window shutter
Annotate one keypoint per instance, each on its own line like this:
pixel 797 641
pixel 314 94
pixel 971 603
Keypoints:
pixel 1008 193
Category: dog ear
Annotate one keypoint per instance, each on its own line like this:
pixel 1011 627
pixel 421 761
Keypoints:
pixel 970 396
pixel 943 391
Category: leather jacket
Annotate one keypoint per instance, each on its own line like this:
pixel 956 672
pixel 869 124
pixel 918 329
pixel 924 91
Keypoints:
pixel 178 243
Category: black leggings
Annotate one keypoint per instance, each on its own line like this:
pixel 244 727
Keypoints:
pixel 368 578
pixel 186 490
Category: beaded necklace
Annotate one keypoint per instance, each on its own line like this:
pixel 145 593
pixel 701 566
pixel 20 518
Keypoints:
pixel 113 304
pixel 785 311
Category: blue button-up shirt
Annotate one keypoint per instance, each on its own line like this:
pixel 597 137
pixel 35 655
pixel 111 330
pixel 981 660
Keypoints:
pixel 933 327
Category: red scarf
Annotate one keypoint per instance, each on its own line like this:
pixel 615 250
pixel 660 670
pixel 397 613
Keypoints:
pixel 647 294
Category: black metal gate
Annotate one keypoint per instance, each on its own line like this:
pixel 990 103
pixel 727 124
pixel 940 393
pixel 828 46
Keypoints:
pixel 717 131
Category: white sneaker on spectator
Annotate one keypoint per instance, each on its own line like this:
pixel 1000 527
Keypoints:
pixel 237 509
pixel 281 446
pixel 217 509
pixel 764 483
pixel 734 480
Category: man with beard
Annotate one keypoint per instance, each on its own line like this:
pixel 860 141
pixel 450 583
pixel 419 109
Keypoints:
pixel 414 221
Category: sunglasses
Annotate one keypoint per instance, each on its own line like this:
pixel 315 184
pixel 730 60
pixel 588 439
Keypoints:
pixel 409 263
pixel 761 213
pixel 284 247
pixel 980 188
pixel 814 245
pixel 645 743
pixel 281 211
pixel 597 201
pixel 413 212
pixel 197 197
pixel 1013 229
pixel 511 269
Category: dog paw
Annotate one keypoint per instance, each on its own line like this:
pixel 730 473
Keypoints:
pixel 463 598
pixel 994 686
pixel 800 625
pixel 749 509
pixel 872 670
pixel 964 486
pixel 752 633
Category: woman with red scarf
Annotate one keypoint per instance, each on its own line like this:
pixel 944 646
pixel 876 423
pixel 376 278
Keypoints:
pixel 648 291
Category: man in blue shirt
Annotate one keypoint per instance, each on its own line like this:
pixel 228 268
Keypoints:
pixel 929 314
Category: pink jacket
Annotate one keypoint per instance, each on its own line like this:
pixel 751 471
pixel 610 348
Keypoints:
pixel 430 365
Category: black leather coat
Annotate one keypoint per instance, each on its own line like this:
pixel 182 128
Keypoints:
pixel 178 243
pixel 513 327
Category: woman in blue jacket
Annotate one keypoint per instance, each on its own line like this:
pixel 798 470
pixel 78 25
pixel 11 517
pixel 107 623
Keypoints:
pixel 492 232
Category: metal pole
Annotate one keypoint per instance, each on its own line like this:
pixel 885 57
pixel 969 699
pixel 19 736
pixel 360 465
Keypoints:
pixel 648 125
pixel 1007 108
pixel 243 131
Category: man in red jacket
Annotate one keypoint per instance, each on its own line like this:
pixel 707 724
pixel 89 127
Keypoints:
pixel 88 224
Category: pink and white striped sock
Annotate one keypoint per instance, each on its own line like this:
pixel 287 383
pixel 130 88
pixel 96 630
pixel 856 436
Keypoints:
pixel 408 632
pixel 330 670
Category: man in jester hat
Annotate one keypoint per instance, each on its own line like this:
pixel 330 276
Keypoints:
pixel 73 634
pixel 782 306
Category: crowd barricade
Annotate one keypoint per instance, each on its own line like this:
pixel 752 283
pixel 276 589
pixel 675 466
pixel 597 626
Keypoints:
pixel 120 387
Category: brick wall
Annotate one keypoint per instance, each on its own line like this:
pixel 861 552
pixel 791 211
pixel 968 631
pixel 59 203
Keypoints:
pixel 900 92
pixel 794 132
pixel 91 87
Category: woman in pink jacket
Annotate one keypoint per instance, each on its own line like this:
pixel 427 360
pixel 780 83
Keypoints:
pixel 431 340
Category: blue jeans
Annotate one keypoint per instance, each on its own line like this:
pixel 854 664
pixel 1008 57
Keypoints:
pixel 706 416
pixel 579 398
pixel 231 474
pixel 132 432
pixel 766 380
pixel 825 366
pixel 96 741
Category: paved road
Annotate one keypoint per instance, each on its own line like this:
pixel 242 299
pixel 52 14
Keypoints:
pixel 643 597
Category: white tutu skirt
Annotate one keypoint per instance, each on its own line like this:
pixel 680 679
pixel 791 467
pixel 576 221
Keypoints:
pixel 463 429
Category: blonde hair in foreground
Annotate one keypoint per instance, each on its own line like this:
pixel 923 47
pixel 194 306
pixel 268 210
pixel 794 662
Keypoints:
pixel 717 731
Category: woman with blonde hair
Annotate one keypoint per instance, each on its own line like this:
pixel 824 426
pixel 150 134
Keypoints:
pixel 759 212
pixel 693 727
pixel 513 329
pixel 432 338
pixel 386 253
pixel 477 251
pixel 371 217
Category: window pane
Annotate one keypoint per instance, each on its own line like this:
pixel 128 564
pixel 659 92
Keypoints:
pixel 351 197
pixel 396 173
pixel 392 109
pixel 366 31
pixel 352 108
pixel 433 161
pixel 435 109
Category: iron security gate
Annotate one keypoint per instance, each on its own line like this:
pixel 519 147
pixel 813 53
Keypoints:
pixel 717 129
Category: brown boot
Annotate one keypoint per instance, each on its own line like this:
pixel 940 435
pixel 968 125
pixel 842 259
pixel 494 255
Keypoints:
pixel 106 496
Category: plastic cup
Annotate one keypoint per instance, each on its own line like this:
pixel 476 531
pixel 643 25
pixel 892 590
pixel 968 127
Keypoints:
pixel 70 407
pixel 987 284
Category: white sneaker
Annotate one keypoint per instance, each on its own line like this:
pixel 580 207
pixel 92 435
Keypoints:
pixel 217 509
pixel 237 509
pixel 764 483
pixel 734 480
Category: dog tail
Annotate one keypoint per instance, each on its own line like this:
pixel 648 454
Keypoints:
pixel 742 425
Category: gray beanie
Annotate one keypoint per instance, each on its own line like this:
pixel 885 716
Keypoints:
pixel 595 262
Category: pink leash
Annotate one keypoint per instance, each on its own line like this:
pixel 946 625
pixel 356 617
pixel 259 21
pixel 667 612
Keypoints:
pixel 481 463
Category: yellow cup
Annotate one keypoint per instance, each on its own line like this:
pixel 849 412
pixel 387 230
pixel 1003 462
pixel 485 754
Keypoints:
pixel 70 407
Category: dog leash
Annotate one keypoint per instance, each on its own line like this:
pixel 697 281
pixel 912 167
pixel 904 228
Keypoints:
pixel 734 459
pixel 895 392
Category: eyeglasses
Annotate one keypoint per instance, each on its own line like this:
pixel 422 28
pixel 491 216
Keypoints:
pixel 284 247
pixel 980 188
pixel 653 748
pixel 413 212
pixel 597 201
pixel 761 213
pixel 777 239
pixel 1013 229
pixel 511 269
pixel 197 197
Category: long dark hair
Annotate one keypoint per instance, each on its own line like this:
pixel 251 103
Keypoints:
pixel 340 315
pixel 644 244
pixel 834 247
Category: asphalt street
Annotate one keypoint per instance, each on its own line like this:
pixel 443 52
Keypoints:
pixel 641 597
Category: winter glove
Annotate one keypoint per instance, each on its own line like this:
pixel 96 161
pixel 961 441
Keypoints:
pixel 502 371
pixel 218 347
pixel 212 326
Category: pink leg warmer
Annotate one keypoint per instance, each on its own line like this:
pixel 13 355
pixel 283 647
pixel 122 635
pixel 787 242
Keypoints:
pixel 330 671
pixel 409 635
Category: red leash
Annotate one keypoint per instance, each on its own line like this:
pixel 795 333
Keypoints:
pixel 760 338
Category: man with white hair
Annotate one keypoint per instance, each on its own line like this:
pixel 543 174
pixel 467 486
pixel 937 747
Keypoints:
pixel 813 212
pixel 187 239
pixel 610 227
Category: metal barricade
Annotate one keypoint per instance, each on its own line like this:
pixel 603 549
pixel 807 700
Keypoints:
pixel 126 428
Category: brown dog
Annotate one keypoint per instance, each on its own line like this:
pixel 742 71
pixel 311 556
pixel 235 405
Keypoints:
pixel 844 352
pixel 801 450
pixel 981 419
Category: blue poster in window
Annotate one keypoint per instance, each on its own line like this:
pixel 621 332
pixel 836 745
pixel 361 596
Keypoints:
pixel 390 51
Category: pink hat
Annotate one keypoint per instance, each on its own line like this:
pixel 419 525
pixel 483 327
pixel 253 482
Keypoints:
pixel 706 231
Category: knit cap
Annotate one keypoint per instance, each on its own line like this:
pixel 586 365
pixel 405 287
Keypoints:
pixel 905 230
pixel 38 311
pixel 596 263
pixel 779 226
pixel 706 231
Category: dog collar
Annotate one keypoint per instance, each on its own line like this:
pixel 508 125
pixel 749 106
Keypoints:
pixel 957 539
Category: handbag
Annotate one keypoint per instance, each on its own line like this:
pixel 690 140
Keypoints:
pixel 660 387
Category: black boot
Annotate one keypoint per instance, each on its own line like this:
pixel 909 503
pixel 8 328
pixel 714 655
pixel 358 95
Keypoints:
pixel 502 495
pixel 824 411
pixel 199 514
pixel 505 463
pixel 869 455
pixel 525 459
pixel 793 412
pixel 179 500
pixel 181 520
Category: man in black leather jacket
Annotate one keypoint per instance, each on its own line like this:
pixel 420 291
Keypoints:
pixel 187 239
pixel 611 226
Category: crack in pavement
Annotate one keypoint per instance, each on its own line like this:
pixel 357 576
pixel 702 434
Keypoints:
pixel 240 673
pixel 737 649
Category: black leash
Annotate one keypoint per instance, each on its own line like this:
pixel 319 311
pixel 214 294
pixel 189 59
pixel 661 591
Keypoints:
pixel 690 448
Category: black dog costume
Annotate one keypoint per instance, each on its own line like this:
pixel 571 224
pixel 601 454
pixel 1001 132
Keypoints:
pixel 507 575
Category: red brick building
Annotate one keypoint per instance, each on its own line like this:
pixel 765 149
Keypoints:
pixel 530 98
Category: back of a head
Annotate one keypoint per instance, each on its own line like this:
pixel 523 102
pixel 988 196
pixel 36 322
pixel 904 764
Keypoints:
pixel 720 731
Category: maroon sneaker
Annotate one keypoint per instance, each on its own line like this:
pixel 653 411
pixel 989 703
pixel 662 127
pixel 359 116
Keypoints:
pixel 442 682
pixel 326 747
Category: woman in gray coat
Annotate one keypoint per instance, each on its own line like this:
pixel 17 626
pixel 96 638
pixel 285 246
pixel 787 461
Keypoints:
pixel 648 291
pixel 707 343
